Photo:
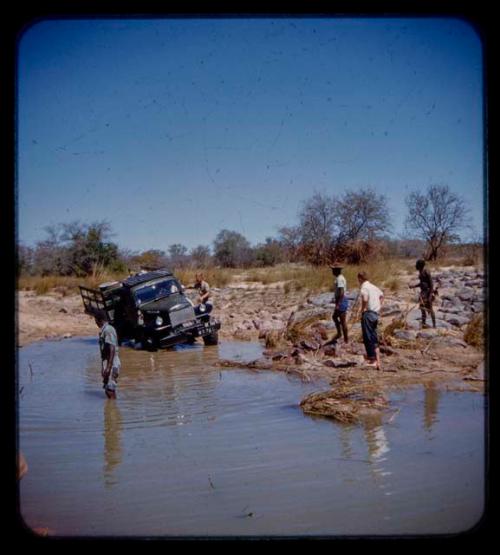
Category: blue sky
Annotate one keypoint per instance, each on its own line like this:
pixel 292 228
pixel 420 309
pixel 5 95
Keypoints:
pixel 173 129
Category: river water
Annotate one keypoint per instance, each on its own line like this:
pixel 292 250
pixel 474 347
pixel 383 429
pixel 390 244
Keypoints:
pixel 190 449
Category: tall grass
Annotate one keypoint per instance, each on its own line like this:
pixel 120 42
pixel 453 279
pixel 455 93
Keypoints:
pixel 294 277
pixel 62 284
pixel 384 273
pixel 216 277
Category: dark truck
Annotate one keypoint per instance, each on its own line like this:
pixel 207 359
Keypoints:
pixel 152 308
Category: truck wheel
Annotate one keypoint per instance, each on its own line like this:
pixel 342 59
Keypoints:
pixel 212 339
pixel 149 344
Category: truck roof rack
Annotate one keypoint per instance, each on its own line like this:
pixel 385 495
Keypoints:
pixel 145 276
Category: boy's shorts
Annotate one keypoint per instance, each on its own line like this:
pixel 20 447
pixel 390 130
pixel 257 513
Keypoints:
pixel 109 382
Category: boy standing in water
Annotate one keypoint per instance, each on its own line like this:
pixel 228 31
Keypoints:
pixel 108 345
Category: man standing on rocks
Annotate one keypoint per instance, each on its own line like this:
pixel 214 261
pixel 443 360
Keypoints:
pixel 108 344
pixel 426 292
pixel 371 302
pixel 341 304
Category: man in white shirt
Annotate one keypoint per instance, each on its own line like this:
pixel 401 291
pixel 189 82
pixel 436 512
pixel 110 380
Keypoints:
pixel 371 302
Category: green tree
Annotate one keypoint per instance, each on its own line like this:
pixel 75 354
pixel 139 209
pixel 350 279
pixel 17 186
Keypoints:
pixel 76 249
pixel 152 258
pixel 269 253
pixel 232 250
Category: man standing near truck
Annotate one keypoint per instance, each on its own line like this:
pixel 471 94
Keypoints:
pixel 203 291
pixel 108 345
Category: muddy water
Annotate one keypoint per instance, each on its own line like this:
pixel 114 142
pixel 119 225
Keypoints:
pixel 191 449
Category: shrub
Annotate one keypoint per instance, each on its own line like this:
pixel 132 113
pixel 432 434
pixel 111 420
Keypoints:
pixel 393 284
pixel 474 332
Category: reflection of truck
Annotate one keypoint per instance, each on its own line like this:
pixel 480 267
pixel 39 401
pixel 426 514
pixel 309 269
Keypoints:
pixel 151 308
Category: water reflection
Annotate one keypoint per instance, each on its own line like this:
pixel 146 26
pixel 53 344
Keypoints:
pixel 166 387
pixel 345 441
pixel 431 405
pixel 112 431
pixel 376 441
pixel 378 447
pixel 179 422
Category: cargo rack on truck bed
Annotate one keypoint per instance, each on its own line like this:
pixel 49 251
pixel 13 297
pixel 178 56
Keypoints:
pixel 94 301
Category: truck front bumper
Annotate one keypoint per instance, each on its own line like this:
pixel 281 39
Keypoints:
pixel 166 337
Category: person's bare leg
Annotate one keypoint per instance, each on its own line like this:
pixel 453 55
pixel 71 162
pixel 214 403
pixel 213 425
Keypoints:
pixel 374 363
pixel 343 320
pixel 433 317
pixel 336 321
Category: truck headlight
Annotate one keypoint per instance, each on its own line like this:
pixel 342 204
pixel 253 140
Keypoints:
pixel 140 318
pixel 159 321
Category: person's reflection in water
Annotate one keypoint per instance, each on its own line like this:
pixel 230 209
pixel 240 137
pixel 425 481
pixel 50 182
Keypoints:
pixel 431 405
pixel 377 443
pixel 112 441
pixel 345 441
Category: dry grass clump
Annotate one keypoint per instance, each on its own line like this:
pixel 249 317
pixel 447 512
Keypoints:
pixel 274 339
pixel 345 404
pixel 474 332
pixel 300 330
pixel 396 324
pixel 393 284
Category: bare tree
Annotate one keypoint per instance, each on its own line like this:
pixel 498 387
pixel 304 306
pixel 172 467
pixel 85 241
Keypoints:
pixel 289 238
pixel 317 227
pixel 345 227
pixel 178 255
pixel 200 256
pixel 361 215
pixel 436 216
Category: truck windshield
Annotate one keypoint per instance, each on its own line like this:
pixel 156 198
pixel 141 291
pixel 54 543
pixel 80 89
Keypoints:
pixel 155 290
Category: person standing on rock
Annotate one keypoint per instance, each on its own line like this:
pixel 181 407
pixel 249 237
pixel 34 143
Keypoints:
pixel 426 292
pixel 371 302
pixel 341 304
pixel 108 345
